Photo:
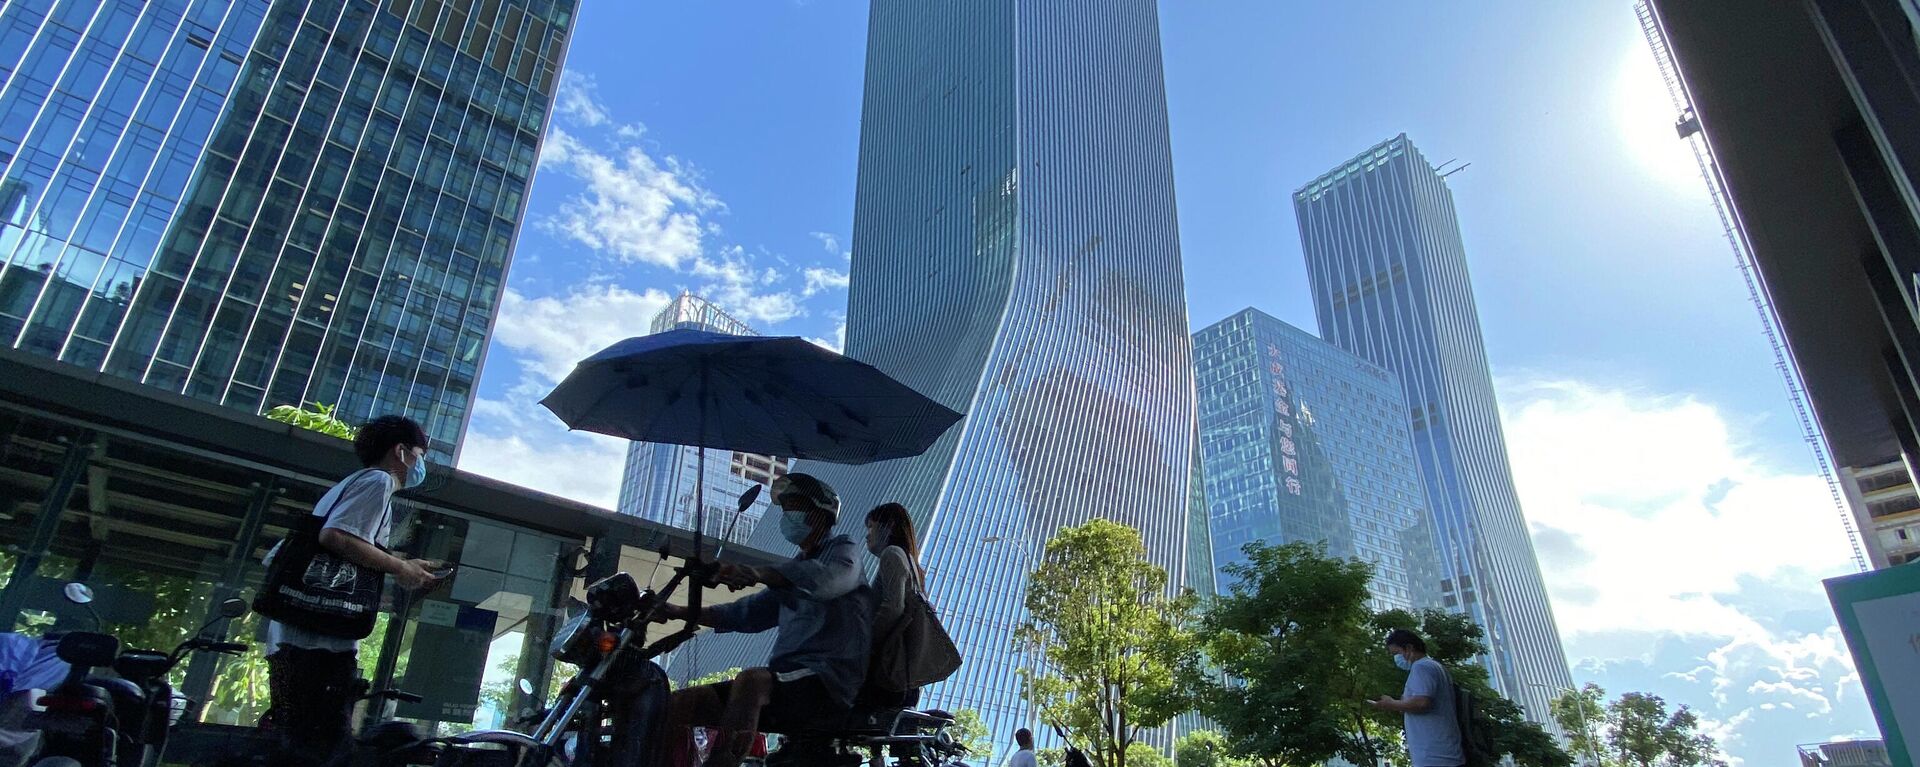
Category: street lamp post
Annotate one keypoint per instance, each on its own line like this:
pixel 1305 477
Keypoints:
pixel 1581 709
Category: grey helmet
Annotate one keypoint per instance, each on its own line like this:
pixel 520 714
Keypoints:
pixel 817 494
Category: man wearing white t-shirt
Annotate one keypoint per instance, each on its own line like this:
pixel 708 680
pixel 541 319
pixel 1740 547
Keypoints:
pixel 1024 756
pixel 311 675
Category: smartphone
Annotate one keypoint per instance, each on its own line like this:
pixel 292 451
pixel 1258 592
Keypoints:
pixel 444 570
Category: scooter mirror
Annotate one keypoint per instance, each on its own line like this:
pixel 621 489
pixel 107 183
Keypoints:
pixel 78 593
pixel 526 687
pixel 233 607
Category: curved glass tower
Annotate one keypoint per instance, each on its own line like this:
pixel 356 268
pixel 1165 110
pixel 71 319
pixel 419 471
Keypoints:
pixel 1016 257
pixel 1389 279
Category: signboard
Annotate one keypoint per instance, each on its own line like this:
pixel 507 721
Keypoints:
pixel 1879 614
pixel 448 659
pixel 1283 418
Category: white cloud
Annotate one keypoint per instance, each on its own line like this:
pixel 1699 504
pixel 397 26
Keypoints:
pixel 551 333
pixel 544 456
pixel 1680 561
pixel 821 279
pixel 635 207
pixel 579 100
pixel 831 243
pixel 839 341
pixel 733 282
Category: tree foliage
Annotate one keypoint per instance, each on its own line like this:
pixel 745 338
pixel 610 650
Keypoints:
pixel 1635 730
pixel 970 731
pixel 1582 714
pixel 1288 636
pixel 1109 639
pixel 1204 748
pixel 313 416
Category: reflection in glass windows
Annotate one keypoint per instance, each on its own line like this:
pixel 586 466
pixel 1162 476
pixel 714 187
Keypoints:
pixel 191 189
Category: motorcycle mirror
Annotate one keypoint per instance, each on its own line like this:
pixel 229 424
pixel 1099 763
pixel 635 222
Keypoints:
pixel 78 593
pixel 233 607
pixel 526 687
pixel 747 498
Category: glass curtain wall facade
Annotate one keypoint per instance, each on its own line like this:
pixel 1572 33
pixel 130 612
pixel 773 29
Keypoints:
pixel 1389 279
pixel 1016 257
pixel 1305 442
pixel 263 203
pixel 659 481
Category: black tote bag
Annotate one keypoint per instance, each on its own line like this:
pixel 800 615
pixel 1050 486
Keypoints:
pixel 312 588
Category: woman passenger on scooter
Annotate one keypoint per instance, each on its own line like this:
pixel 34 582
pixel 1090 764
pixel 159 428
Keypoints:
pixel 890 538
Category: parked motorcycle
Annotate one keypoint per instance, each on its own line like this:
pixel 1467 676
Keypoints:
pixel 121 720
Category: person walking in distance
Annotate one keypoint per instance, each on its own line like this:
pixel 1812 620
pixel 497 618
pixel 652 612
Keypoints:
pixel 310 675
pixel 1426 704
pixel 1024 756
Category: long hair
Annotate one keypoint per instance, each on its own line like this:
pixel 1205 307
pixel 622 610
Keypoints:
pixel 900 533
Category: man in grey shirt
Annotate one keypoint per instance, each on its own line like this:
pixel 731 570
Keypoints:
pixel 818 600
pixel 1426 704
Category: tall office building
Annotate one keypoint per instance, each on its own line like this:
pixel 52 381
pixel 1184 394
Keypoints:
pixel 263 203
pixel 1389 281
pixel 1305 442
pixel 660 480
pixel 1016 257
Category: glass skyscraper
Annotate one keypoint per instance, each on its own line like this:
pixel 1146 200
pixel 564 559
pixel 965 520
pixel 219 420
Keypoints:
pixel 260 203
pixel 1016 257
pixel 660 480
pixel 1305 442
pixel 1389 281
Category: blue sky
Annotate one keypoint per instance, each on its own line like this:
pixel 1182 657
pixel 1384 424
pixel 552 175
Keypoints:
pixel 1678 516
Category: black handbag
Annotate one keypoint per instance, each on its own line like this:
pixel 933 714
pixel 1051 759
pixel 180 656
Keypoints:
pixel 918 652
pixel 311 588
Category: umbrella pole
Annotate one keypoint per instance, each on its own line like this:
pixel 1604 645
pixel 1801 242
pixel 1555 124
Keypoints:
pixel 699 580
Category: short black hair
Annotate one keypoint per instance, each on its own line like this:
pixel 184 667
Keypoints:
pixel 1405 638
pixel 377 437
pixel 1023 736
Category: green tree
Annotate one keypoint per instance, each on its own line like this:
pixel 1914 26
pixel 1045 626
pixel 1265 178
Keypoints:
pixel 1142 755
pixel 1288 637
pixel 1204 748
pixel 1581 713
pixel 1108 637
pixel 970 731
pixel 1642 734
pixel 314 417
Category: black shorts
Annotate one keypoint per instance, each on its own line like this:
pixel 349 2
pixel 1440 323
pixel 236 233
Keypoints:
pixel 797 706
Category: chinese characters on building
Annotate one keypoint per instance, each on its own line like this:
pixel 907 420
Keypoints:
pixel 1283 419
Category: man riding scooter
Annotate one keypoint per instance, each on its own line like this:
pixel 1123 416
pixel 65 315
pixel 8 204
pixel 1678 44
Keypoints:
pixel 821 604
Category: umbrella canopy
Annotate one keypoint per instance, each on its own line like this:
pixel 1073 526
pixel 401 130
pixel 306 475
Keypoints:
pixel 781 396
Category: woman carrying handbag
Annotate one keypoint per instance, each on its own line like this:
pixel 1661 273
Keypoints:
pixel 910 647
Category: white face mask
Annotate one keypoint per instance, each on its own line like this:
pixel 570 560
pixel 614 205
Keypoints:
pixel 794 527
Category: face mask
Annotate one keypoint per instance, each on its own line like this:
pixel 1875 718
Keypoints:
pixel 794 527
pixel 417 473
pixel 1402 662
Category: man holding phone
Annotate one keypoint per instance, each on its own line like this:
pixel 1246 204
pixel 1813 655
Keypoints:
pixel 310 675
pixel 1425 704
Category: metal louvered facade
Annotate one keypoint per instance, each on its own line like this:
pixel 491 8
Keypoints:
pixel 260 203
pixel 1388 273
pixel 1016 256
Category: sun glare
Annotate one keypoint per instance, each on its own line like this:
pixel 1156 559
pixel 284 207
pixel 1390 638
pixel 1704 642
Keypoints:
pixel 1644 118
